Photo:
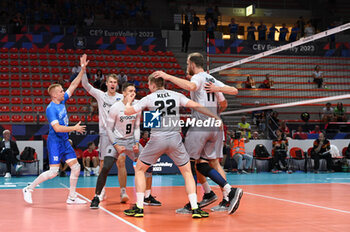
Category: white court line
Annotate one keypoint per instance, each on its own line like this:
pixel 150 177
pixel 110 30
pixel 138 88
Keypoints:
pixel 295 202
pixel 109 212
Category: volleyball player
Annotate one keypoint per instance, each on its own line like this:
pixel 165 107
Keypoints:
pixel 164 140
pixel 206 146
pixel 58 144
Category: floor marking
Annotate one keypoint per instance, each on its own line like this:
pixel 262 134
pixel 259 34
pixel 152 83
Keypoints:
pixel 109 212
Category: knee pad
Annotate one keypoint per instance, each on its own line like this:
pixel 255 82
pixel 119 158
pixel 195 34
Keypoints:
pixel 149 172
pixel 75 170
pixel 52 172
pixel 204 169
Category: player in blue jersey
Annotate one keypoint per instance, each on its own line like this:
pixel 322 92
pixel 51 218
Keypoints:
pixel 58 145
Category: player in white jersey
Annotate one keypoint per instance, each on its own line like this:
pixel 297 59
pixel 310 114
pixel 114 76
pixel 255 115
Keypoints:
pixel 205 147
pixel 166 139
pixel 105 100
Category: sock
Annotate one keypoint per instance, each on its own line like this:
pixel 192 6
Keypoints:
pixel 73 179
pixel 122 190
pixel 206 187
pixel 193 200
pixel 226 190
pixel 140 197
pixel 147 193
pixel 217 178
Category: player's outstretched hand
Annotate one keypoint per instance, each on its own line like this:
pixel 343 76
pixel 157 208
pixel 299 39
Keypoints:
pixel 79 128
pixel 83 61
pixel 135 148
pixel 120 149
pixel 211 88
pixel 161 74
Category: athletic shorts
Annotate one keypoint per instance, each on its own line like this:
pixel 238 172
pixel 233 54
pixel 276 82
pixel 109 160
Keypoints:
pixel 170 144
pixel 59 150
pixel 128 144
pixel 103 146
pixel 206 144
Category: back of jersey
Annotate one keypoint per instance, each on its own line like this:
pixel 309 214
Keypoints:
pixel 168 104
pixel 209 100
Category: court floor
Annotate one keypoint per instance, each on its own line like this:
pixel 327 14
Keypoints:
pixel 271 202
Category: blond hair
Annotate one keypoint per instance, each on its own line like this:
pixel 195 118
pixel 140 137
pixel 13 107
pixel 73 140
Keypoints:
pixel 158 81
pixel 113 75
pixel 53 86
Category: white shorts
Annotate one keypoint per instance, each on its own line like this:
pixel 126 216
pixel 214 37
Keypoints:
pixel 128 144
pixel 206 144
pixel 170 144
pixel 104 147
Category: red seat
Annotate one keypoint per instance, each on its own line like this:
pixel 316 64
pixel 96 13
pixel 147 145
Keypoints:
pixel 33 57
pixel 4 118
pixel 62 57
pixel 53 57
pixel 27 109
pixel 155 59
pixel 28 118
pixel 14 56
pixel 15 84
pixel 47 100
pixel 4 100
pixel 27 100
pixel 106 52
pixel 26 84
pixel 4 56
pixel 71 101
pixel 172 59
pixel 42 57
pixel 4 76
pixel 4 92
pixel 127 58
pixel 149 65
pixel 61 51
pixel 43 63
pixel 109 58
pixel 42 118
pixel 74 118
pixel 15 92
pixel 24 70
pixel 38 108
pixel 72 109
pixel 99 58
pixel 95 118
pixel 36 84
pixel 4 63
pixel 15 77
pixel 46 84
pixel 33 50
pixel 70 51
pixel 4 50
pixel 51 51
pixel 157 65
pixel 15 100
pixel 140 65
pixel 45 70
pixel 36 77
pixel 16 118
pixel 34 70
pixel 130 65
pixel 160 53
pixel 38 100
pixel 136 59
pixel 80 92
pixel 4 69
pixel 53 63
pixel 42 50
pixel 111 65
pixel 37 92
pixel 180 72
pixel 55 70
pixel 82 101
pixel 71 57
pixel 23 56
pixel 65 70
pixel 25 77
pixel 23 50
pixel 14 63
pixel 79 51
pixel 46 77
pixel 118 58
pixel 26 92
pixel 169 53
pixel 16 109
pixel 14 70
pixel 5 109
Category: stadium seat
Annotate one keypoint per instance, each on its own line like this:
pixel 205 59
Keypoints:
pixel 140 65
pixel 121 65
pixel 4 56
pixel 61 51
pixel 33 50
pixel 42 118
pixel 115 52
pixel 4 50
pixel 5 109
pixel 180 72
pixel 4 100
pixel 172 59
pixel 5 118
pixel 151 53
pixel 163 59
pixel 36 77
pixel 23 50
pixel 149 65
pixel 38 100
pixel 4 63
pixel 25 77
pixel 55 77
pixel 15 100
pixel 46 77
pixel 62 57
pixel 109 58
pixel 47 100
pixel 71 57
pixel 79 51
pixel 95 118
pixel 14 70
pixel 136 59
pixel 27 100
pixel 118 58
pixel 14 56
pixel 27 109
pixel 4 69
pixel 28 118
pixel 16 109
pixel 110 65
pixel 127 58
pixel 16 118
pixel 72 109
pixel 14 63
pixel 160 53
pixel 55 70
pixel 65 70
pixel 80 92
pixel 51 51
pixel 70 51
pixel 158 65
pixel 4 92
pixel 44 63
pixel 43 57
pixel 26 84
pixel 39 109
pixel 53 57
pixel 23 57
pixel 154 59
pixel 74 118
pixel 167 66
pixel 71 101
pixel 106 52
pixel 45 70
pixel 42 50
pixel 15 84
pixel 15 77
pixel 82 101
pixel 53 63
pixel 36 84
pixel 133 71
pixel 15 92
pixel 4 76
pixel 46 84
pixel 26 92
pixel 130 65
pixel 25 69
pixel 34 70
pixel 37 92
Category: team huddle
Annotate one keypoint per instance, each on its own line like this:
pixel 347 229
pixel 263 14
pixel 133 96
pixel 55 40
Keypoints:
pixel 119 130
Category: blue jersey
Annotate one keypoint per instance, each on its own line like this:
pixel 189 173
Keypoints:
pixel 57 113
pixel 271 35
pixel 283 33
pixel 233 28
pixel 294 34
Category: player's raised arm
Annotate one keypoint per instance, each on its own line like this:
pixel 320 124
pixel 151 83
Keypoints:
pixel 182 83
pixel 76 81
pixel 213 88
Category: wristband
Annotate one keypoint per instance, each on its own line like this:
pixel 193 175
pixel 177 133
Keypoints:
pixel 114 143
pixel 137 141
pixel 82 65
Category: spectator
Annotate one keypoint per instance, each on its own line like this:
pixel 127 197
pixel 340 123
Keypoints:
pixel 320 150
pixel 273 120
pixel 262 31
pixel 318 77
pixel 283 127
pixel 283 32
pixel 209 12
pixel 255 135
pixel 294 33
pixel 89 19
pixel 244 127
pixel 339 113
pixel 301 26
pixel 75 71
pixel 216 15
pixel 90 157
pixel 17 22
pixel 186 35
pixel 8 153
pixel 272 31
pixel 316 130
pixel 309 29
pixel 135 82
pixel 328 113
pixel 280 148
pixel 261 121
pixel 238 153
pixel 122 78
pixel 210 28
pixel 188 12
pixel 300 134
pixel 196 22
pixel 98 78
pixel 251 31
pixel 268 83
pixel 233 26
pixel 250 82
pixel 93 107
pixel 331 38
pixel 144 138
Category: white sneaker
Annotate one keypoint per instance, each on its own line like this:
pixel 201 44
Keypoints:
pixel 124 197
pixel 18 167
pixel 7 175
pixel 75 201
pixel 103 195
pixel 27 195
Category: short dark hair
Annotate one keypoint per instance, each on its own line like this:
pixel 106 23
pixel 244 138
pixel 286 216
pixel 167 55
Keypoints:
pixel 90 143
pixel 197 59
pixel 126 85
pixel 158 81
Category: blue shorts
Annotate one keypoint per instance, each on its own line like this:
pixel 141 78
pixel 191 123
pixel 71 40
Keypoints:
pixel 59 150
